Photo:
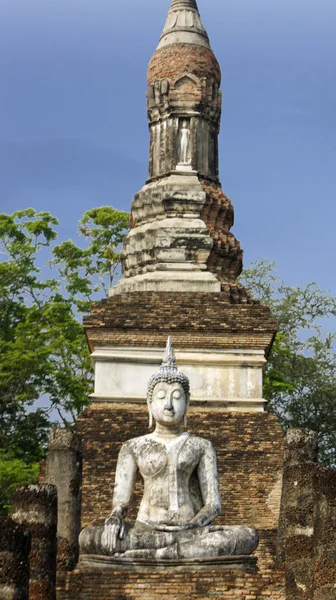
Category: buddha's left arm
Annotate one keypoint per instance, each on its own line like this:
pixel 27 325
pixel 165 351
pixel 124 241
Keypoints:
pixel 207 472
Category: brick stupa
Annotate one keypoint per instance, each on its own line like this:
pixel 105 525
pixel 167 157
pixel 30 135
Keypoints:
pixel 181 261
pixel 180 265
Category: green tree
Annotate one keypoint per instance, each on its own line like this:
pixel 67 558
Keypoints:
pixel 84 274
pixel 300 382
pixel 43 351
pixel 23 351
pixel 14 472
pixel 93 270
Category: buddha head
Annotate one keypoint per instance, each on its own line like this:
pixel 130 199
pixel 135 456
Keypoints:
pixel 168 393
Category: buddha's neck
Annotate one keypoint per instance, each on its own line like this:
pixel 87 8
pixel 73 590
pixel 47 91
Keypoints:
pixel 167 432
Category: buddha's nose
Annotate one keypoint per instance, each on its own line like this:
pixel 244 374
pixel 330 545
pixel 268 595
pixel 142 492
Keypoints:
pixel 169 403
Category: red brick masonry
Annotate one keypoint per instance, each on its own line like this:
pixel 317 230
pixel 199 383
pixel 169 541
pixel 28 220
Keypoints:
pixel 250 456
pixel 226 320
pixel 176 59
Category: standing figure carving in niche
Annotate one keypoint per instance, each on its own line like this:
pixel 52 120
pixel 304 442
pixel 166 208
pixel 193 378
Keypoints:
pixel 181 487
pixel 185 144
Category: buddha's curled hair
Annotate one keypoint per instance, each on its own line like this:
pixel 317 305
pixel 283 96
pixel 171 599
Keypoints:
pixel 168 373
pixel 168 377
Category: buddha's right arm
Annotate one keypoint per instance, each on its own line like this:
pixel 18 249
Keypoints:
pixel 124 480
pixel 123 490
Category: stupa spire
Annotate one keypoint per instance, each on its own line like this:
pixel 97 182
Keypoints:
pixel 181 220
pixel 184 25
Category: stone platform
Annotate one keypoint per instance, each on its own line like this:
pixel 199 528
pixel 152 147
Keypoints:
pixel 247 564
pixel 222 581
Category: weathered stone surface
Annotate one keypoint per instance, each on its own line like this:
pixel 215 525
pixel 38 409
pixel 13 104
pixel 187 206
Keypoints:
pixel 64 471
pixel 301 446
pixel 307 532
pixel 297 522
pixel 325 534
pixel 231 379
pixel 184 111
pixel 14 560
pixel 170 245
pixel 226 257
pixel 184 25
pixel 35 507
pixel 246 564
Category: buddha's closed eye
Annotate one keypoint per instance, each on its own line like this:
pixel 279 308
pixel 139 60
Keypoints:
pixel 162 394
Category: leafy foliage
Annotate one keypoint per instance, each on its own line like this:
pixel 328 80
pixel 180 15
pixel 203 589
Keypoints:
pixel 45 364
pixel 14 472
pixel 300 382
pixel 43 351
pixel 86 272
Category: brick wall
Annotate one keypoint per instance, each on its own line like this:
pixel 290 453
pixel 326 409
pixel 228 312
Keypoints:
pixel 249 448
pixel 103 584
pixel 250 458
pixel 226 258
pixel 308 520
pixel 225 320
pixel 325 534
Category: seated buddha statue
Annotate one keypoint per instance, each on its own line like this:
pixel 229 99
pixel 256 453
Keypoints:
pixel 181 495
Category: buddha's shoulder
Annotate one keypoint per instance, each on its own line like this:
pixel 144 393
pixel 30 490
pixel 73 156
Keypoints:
pixel 201 442
pixel 136 443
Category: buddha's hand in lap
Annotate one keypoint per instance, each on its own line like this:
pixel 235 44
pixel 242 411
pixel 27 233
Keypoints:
pixel 183 526
pixel 114 530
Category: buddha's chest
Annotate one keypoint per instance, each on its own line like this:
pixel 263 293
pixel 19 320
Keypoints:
pixel 156 460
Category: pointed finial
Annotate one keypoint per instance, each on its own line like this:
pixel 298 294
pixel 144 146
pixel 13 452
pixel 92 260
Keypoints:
pixel 184 25
pixel 169 359
pixel 183 4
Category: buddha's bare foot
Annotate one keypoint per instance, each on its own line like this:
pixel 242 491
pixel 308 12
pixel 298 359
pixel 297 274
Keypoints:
pixel 170 553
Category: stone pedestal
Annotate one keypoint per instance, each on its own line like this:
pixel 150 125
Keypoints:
pixel 244 564
pixel 226 581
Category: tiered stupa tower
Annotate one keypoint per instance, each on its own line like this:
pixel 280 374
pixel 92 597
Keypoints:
pixel 180 260
pixel 181 219
pixel 180 269
pixel 180 265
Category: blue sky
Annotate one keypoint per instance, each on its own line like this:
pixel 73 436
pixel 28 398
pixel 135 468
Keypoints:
pixel 73 116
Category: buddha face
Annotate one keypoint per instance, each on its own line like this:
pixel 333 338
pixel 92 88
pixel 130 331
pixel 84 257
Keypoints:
pixel 169 404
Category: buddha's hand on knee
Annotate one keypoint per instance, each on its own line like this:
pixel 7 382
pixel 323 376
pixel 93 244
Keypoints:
pixel 199 521
pixel 114 530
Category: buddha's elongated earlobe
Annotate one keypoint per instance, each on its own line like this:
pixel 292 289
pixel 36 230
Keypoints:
pixel 150 417
pixel 185 418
